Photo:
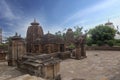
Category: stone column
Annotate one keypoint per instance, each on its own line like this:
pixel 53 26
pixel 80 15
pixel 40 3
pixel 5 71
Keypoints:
pixel 78 52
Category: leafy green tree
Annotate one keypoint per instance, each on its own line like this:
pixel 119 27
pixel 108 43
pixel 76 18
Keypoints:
pixel 89 41
pixel 102 35
pixel 58 33
pixel 77 32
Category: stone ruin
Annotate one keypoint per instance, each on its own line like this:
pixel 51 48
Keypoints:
pixel 41 54
pixel 80 46
pixel 43 66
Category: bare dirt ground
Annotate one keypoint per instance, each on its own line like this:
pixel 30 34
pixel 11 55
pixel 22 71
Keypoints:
pixel 99 65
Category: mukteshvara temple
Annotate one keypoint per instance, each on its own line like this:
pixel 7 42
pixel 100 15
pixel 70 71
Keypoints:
pixel 40 54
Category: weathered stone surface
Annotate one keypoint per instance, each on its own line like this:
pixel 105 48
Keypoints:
pixel 16 49
pixel 27 77
pixel 43 66
pixel 69 37
pixel 34 32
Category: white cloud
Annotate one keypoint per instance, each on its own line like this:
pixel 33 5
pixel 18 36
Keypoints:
pixel 103 5
pixel 5 11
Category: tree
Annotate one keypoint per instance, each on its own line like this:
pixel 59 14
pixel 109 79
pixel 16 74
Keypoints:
pixel 78 31
pixel 102 35
pixel 89 41
pixel 60 34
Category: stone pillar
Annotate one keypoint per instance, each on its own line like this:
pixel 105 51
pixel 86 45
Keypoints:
pixel 83 51
pixel 49 48
pixel 78 53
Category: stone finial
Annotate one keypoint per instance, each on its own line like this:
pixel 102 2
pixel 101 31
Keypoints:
pixel 34 20
pixel 16 34
pixel 48 32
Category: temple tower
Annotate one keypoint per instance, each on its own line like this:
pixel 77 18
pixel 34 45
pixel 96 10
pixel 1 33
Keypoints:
pixel 34 32
pixel 69 37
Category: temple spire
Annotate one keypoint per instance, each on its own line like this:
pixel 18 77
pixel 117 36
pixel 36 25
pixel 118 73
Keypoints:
pixel 16 34
pixel 34 22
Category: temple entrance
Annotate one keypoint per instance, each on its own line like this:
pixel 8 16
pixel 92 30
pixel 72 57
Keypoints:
pixel 61 47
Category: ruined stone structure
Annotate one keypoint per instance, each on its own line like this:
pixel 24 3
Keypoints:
pixel 34 32
pixel 2 55
pixel 83 41
pixel 16 49
pixel 69 38
pixel 80 46
pixel 48 43
pixel 41 65
pixel 40 54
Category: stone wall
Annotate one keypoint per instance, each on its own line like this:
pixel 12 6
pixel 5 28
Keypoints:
pixel 2 56
pixel 103 48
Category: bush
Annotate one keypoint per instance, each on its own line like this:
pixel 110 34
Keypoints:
pixel 89 41
pixel 102 34
pixel 117 44
pixel 117 40
pixel 100 43
pixel 111 42
pixel 72 46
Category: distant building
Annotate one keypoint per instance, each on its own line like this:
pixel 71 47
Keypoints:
pixel 117 36
pixel 110 24
pixel 0 35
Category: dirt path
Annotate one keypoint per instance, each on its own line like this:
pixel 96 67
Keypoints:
pixel 7 72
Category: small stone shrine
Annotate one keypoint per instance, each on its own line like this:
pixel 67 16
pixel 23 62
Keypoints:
pixel 43 66
pixel 16 49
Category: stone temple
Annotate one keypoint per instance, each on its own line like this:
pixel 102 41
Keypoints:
pixel 34 32
pixel 69 37
pixel 40 54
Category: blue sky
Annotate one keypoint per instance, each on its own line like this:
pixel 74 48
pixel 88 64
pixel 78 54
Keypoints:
pixel 55 15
